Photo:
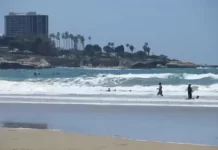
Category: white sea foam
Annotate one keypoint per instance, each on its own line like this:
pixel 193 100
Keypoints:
pixel 71 86
pixel 99 100
pixel 184 76
pixel 143 76
pixel 200 76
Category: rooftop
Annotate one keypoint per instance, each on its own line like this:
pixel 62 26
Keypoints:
pixel 28 13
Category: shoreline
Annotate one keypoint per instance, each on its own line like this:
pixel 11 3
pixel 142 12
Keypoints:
pixel 106 104
pixel 165 124
pixel 11 138
pixel 28 67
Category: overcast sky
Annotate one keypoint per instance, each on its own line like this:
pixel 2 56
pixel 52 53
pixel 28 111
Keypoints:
pixel 183 29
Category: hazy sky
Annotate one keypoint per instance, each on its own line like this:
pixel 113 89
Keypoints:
pixel 183 29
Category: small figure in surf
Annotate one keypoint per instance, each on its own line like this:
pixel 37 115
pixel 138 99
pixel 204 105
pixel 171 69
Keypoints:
pixel 190 91
pixel 160 92
pixel 108 90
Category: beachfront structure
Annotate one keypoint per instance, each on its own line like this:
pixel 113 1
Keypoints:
pixel 24 24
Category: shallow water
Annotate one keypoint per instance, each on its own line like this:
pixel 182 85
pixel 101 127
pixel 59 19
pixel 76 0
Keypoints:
pixel 168 124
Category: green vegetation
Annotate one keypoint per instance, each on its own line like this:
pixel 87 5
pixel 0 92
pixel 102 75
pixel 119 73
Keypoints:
pixel 68 43
pixel 67 49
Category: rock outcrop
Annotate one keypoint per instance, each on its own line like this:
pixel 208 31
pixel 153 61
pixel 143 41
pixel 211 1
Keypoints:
pixel 106 62
pixel 16 65
pixel 148 64
pixel 180 64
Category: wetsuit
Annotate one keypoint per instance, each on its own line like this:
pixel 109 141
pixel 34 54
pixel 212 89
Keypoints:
pixel 160 92
pixel 189 92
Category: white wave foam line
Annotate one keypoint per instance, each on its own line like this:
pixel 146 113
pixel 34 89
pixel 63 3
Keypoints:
pixel 60 87
pixel 105 79
pixel 161 76
pixel 132 76
pixel 199 76
pixel 110 104
pixel 125 101
pixel 101 98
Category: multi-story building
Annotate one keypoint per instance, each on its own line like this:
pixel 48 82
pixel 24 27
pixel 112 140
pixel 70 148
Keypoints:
pixel 25 24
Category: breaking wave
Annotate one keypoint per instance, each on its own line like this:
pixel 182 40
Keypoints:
pixel 128 87
pixel 95 85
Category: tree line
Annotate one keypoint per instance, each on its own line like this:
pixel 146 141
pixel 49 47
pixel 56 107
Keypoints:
pixel 77 42
pixel 70 41
pixel 57 42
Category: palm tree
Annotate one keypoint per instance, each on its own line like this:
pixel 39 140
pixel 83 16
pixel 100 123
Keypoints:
pixel 131 47
pixel 79 43
pixel 52 37
pixel 90 38
pixel 58 39
pixel 112 44
pixel 82 39
pixel 64 40
pixel 67 36
pixel 146 48
pixel 75 40
pixel 71 40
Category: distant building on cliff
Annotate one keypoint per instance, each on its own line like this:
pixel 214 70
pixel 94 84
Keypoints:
pixel 25 24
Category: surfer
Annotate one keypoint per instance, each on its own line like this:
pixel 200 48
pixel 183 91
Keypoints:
pixel 160 92
pixel 108 90
pixel 190 91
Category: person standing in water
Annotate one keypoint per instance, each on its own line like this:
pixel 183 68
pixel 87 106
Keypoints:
pixel 190 91
pixel 160 92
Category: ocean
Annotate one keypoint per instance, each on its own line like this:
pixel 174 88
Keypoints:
pixel 77 101
pixel 128 87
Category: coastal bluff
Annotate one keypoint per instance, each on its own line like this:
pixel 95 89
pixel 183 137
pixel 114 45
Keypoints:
pixel 40 62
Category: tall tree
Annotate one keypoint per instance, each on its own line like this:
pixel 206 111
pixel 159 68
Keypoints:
pixel 79 43
pixel 52 37
pixel 71 40
pixel 90 38
pixel 127 45
pixel 146 48
pixel 82 42
pixel 58 39
pixel 75 40
pixel 112 44
pixel 131 47
pixel 67 37
pixel 64 40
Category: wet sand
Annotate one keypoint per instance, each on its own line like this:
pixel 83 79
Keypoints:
pixel 31 139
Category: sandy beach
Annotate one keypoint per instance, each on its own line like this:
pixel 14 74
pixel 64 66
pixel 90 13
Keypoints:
pixel 31 139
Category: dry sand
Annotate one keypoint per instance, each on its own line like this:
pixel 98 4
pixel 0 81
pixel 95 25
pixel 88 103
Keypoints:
pixel 29 139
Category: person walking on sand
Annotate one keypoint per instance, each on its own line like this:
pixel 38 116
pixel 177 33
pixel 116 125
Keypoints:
pixel 190 91
pixel 160 92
